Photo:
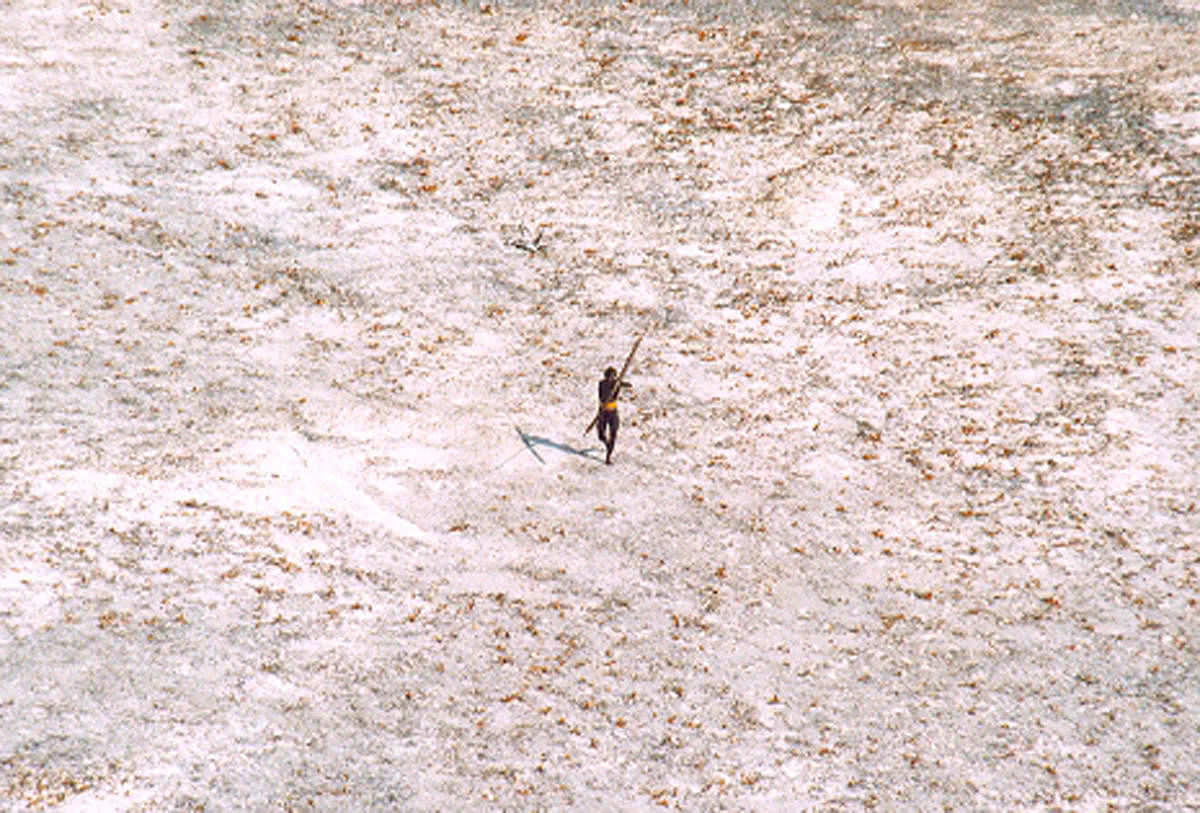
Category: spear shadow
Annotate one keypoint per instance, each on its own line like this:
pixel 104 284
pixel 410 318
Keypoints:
pixel 532 442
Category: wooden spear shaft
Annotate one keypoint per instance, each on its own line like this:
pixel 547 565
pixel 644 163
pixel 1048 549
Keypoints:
pixel 617 388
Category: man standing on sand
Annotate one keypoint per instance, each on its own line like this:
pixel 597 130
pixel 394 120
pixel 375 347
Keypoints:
pixel 607 421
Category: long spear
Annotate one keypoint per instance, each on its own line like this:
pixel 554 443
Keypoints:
pixel 617 387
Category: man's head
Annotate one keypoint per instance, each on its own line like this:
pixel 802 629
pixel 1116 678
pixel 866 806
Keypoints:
pixel 611 372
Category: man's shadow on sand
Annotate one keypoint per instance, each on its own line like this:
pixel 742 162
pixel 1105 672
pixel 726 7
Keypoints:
pixel 532 442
